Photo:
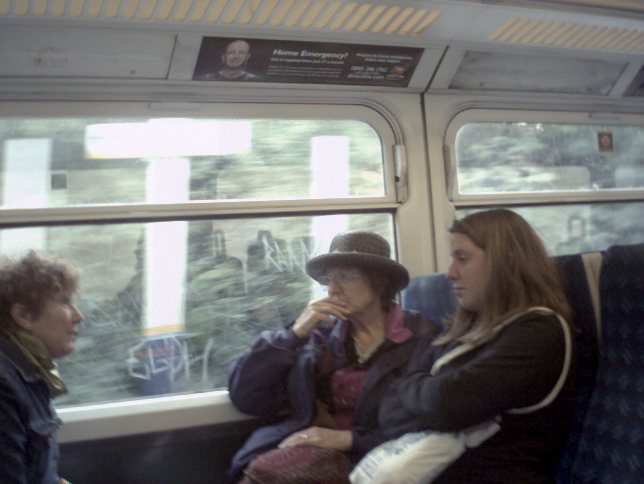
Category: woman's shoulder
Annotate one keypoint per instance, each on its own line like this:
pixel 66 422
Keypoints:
pixel 537 332
pixel 535 329
pixel 12 359
pixel 17 374
pixel 539 320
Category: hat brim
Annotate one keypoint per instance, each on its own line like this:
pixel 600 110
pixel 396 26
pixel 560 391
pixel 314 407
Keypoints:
pixel 317 266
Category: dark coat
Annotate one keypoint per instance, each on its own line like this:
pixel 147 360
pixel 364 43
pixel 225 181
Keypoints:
pixel 277 377
pixel 28 421
pixel 517 368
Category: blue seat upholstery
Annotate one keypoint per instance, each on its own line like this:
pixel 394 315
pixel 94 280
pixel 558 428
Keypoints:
pixel 431 295
pixel 585 364
pixel 611 446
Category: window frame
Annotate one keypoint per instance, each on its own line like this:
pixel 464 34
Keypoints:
pixel 385 129
pixel 490 115
pixel 118 419
pixel 111 419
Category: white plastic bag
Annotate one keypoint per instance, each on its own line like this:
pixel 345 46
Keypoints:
pixel 418 457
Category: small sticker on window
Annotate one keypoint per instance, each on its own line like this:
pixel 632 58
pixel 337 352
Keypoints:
pixel 605 141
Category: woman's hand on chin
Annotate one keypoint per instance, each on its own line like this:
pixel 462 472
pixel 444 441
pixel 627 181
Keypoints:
pixel 321 311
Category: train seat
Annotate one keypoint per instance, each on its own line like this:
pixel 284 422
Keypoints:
pixel 607 297
pixel 431 295
pixel 581 281
pixel 612 437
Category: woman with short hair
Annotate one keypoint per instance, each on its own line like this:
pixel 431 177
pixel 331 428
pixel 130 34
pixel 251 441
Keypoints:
pixel 38 323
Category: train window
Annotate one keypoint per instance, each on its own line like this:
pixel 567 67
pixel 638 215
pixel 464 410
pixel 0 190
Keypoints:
pixel 168 304
pixel 574 228
pixel 50 162
pixel 574 176
pixel 534 157
pixel 189 244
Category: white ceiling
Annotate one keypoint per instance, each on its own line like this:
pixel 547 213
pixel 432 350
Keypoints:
pixel 587 46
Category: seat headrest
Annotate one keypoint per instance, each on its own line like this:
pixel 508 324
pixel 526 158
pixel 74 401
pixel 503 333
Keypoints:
pixel 431 295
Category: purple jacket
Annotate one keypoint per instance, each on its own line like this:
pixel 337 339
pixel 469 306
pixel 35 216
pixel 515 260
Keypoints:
pixel 276 377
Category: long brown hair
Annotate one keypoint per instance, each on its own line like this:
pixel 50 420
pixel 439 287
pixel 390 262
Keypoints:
pixel 522 274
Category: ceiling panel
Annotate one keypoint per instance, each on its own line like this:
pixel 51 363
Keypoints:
pixel 46 52
pixel 535 73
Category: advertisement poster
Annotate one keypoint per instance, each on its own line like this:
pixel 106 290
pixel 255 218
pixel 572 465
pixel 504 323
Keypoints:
pixel 255 60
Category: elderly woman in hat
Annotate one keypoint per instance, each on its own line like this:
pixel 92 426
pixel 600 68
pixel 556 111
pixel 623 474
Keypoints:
pixel 38 323
pixel 323 377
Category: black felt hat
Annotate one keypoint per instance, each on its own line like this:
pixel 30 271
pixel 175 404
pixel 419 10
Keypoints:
pixel 359 249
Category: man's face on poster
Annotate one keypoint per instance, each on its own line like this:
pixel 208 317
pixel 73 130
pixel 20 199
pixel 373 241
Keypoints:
pixel 236 55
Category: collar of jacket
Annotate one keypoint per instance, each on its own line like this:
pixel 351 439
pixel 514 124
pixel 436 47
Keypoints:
pixel 30 357
pixel 18 359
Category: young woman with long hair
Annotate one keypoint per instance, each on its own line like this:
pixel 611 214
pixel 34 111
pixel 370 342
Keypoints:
pixel 489 401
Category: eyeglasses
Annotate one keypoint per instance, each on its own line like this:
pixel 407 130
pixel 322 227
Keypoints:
pixel 342 279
